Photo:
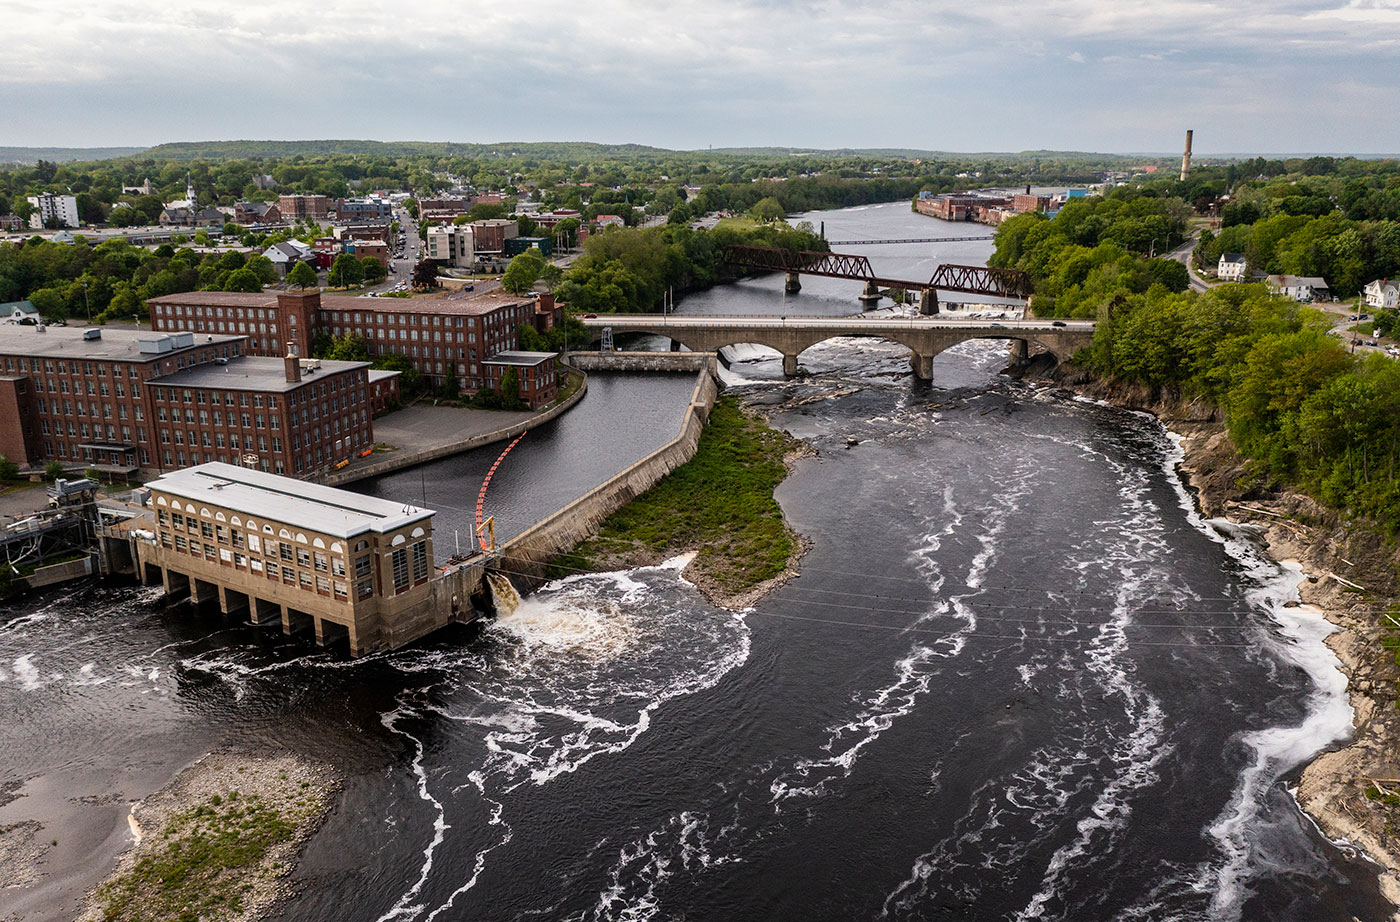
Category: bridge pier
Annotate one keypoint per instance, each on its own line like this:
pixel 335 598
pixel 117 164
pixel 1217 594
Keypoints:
pixel 789 364
pixel 1020 352
pixel 793 284
pixel 928 302
pixel 922 366
pixel 871 296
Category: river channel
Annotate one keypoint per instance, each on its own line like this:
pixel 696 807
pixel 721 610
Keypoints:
pixel 1017 678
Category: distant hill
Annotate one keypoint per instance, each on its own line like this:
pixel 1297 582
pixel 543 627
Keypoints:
pixel 222 150
pixel 62 154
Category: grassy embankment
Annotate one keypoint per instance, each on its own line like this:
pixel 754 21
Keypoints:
pixel 207 860
pixel 720 504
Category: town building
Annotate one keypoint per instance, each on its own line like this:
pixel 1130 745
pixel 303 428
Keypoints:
pixel 438 336
pixel 358 567
pixel 517 245
pixel 1299 288
pixel 376 249
pixel 535 372
pixel 1023 202
pixel 1381 294
pixel 19 312
pixel 126 401
pixel 382 232
pixel 288 253
pixel 383 390
pixel 325 250
pixel 450 245
pixel 144 189
pixel 551 219
pixel 1233 267
pixel 53 210
pixel 248 213
pixel 604 221
pixel 11 223
pixel 965 206
pixel 363 210
pixel 489 237
pixel 303 207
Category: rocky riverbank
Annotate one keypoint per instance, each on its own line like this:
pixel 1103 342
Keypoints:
pixel 1353 793
pixel 218 842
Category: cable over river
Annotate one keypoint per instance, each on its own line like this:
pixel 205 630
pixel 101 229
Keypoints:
pixel 1018 678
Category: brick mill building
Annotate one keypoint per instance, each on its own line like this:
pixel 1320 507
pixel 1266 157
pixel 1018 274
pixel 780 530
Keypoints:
pixel 130 401
pixel 439 336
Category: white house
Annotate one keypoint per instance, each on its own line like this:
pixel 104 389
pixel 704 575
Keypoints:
pixel 50 209
pixel 1299 288
pixel 288 253
pixel 1231 267
pixel 1383 293
pixel 18 311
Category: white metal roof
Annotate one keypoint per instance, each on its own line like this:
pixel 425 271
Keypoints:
pixel 339 513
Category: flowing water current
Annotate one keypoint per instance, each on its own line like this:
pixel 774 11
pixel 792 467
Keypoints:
pixel 1018 678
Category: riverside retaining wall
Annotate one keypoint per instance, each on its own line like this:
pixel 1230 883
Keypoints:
pixel 644 361
pixel 400 461
pixel 525 556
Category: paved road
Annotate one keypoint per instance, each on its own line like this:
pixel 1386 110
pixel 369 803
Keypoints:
pixel 1182 254
pixel 768 322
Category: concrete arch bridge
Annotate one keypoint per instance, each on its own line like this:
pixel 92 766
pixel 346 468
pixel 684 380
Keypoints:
pixel 924 337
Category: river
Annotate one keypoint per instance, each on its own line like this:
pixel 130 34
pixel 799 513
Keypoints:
pixel 1017 678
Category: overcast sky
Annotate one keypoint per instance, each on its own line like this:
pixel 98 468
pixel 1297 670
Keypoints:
pixel 962 75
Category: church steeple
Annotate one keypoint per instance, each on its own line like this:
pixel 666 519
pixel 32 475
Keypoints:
pixel 189 190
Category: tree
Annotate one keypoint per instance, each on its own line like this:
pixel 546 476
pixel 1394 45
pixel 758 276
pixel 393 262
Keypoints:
pixel 523 271
pixel 243 280
pixel 767 209
pixel 302 276
pixel 374 270
pixel 484 212
pixel 50 303
pixel 263 268
pixel 53 470
pixel 425 274
pixel 346 271
pixel 9 470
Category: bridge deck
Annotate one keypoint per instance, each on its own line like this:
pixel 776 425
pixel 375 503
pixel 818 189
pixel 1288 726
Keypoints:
pixel 854 325
pixel 842 243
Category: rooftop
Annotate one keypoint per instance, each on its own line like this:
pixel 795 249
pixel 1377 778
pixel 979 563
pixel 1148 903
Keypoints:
pixel 253 373
pixel 338 513
pixel 112 344
pixel 524 359
pixel 472 306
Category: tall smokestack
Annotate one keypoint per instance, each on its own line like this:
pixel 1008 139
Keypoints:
pixel 1186 157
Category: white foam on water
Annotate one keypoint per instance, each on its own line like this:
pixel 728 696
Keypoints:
pixel 406 905
pixel 579 671
pixel 27 673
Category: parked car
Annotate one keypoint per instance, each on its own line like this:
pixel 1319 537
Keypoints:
pixel 1057 323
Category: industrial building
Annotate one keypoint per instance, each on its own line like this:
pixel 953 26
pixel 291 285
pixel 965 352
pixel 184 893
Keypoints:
pixel 132 401
pixel 438 336
pixel 355 567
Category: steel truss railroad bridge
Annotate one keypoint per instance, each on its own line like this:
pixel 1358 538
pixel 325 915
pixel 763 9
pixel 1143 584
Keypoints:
pixel 1001 283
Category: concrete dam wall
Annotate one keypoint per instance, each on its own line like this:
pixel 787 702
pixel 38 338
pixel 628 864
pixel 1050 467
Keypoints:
pixel 525 556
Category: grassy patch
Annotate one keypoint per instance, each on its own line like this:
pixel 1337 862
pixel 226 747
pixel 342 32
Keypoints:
pixel 736 223
pixel 203 864
pixel 720 503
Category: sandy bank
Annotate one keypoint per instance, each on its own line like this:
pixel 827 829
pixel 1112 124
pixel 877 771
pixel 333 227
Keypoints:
pixel 246 816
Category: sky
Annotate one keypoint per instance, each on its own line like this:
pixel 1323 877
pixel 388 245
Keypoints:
pixel 1249 76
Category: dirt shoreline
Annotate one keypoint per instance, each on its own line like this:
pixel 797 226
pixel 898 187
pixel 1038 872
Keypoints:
pixel 1350 577
pixel 300 790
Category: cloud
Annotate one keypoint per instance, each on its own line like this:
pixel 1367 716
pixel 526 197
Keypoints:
pixel 933 73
